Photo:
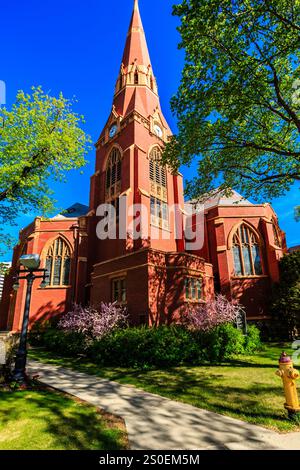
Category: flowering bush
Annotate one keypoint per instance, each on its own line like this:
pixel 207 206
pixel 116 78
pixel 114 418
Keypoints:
pixel 213 313
pixel 93 323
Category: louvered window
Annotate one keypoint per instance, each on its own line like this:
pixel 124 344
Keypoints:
pixel 113 178
pixel 158 190
pixel 157 171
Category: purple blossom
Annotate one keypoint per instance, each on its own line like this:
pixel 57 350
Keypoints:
pixel 211 314
pixel 94 323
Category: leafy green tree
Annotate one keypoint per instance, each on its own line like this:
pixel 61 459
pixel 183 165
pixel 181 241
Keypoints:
pixel 40 139
pixel 286 295
pixel 238 105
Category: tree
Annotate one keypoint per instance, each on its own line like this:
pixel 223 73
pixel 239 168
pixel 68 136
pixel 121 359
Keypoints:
pixel 286 295
pixel 212 313
pixel 40 139
pixel 238 105
pixel 94 323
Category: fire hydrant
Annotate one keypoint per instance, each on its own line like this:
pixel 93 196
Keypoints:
pixel 289 375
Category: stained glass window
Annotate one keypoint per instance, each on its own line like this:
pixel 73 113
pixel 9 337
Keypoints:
pixel 58 263
pixel 246 252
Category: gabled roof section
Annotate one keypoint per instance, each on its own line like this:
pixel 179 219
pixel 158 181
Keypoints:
pixel 76 210
pixel 219 199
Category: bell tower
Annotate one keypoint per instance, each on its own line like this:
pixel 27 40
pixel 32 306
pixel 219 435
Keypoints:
pixel 129 149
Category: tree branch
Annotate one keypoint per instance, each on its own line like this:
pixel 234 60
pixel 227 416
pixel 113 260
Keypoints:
pixel 24 174
pixel 281 101
pixel 281 18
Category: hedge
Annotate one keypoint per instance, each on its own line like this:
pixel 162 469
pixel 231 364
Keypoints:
pixel 154 347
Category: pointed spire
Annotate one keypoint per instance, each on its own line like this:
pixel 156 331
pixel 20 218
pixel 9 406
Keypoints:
pixel 136 66
pixel 136 87
pixel 136 49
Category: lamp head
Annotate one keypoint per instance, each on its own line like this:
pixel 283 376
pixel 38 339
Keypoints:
pixel 30 261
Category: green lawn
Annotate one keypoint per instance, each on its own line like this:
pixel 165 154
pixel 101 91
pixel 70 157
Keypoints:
pixel 245 388
pixel 48 420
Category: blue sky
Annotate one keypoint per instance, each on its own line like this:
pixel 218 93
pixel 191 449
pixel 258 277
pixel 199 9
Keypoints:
pixel 76 47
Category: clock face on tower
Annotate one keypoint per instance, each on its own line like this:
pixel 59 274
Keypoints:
pixel 158 131
pixel 113 131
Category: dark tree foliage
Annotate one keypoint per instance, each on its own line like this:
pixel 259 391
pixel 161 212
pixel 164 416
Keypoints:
pixel 238 105
pixel 286 296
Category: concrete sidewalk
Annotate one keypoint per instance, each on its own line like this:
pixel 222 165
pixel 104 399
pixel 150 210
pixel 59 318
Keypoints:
pixel 157 423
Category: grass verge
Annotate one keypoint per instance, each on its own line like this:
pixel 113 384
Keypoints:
pixel 43 419
pixel 245 388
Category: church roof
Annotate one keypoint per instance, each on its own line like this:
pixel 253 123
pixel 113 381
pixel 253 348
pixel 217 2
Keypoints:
pixel 293 249
pixel 219 199
pixel 74 211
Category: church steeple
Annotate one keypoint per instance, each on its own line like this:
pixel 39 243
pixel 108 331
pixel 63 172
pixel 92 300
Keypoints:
pixel 136 49
pixel 136 69
pixel 136 89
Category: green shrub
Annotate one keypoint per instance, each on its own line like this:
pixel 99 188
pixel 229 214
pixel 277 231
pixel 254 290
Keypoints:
pixel 252 340
pixel 165 346
pixel 68 344
pixel 221 343
pixel 130 347
pixel 285 304
pixel 172 346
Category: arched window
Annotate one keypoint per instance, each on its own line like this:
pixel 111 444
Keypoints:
pixel 136 77
pixel 158 172
pixel 113 179
pixel 158 189
pixel 246 252
pixel 58 263
pixel 113 174
pixel 277 238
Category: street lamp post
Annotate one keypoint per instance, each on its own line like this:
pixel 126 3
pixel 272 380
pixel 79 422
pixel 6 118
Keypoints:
pixel 30 272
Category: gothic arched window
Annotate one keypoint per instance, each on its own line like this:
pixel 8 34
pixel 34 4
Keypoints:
pixel 277 238
pixel 246 252
pixel 58 262
pixel 113 179
pixel 158 172
pixel 158 189
pixel 113 175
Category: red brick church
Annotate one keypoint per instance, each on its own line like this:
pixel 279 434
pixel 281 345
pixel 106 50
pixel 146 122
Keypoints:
pixel 157 273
